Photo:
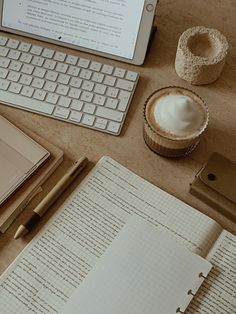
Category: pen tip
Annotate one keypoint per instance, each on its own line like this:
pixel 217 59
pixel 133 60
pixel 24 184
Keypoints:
pixel 21 231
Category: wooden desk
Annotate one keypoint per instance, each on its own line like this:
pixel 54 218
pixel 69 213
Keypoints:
pixel 174 176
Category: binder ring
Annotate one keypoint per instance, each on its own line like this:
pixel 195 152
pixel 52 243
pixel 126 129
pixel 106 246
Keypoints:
pixel 191 292
pixel 201 275
pixel 179 310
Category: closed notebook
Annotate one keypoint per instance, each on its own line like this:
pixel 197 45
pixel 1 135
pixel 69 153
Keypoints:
pixel 20 156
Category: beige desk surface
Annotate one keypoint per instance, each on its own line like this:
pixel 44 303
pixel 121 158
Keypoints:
pixel 174 176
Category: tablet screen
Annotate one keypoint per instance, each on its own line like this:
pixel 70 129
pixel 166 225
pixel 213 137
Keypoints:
pixel 108 26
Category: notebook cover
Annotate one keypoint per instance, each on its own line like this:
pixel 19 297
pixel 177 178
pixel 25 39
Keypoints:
pixel 17 202
pixel 20 157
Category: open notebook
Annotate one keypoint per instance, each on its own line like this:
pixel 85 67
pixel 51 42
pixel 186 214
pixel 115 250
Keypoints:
pixel 49 270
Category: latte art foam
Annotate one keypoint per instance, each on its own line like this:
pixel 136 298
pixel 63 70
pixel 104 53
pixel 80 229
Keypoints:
pixel 177 114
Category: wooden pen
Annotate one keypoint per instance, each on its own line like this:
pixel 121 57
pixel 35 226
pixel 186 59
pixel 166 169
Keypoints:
pixel 52 196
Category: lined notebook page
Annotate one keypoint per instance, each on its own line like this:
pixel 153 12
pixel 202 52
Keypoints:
pixel 144 271
pixel 218 292
pixel 53 265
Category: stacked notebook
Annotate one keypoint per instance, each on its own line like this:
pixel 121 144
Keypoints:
pixel 26 161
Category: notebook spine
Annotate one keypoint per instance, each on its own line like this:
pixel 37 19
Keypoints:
pixel 190 292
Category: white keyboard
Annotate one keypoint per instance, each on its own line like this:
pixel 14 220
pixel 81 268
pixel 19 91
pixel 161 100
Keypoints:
pixel 65 87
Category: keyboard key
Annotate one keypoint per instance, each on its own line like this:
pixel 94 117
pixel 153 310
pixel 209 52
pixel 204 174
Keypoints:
pixel 88 120
pixel 13 76
pixel 15 65
pixel 73 71
pixel 15 88
pixel 75 82
pixel 52 98
pixel 95 66
pixel 39 94
pixel 100 89
pixel 64 101
pixel 59 56
pixel 4 84
pixel 39 72
pixel 132 76
pixel 111 103
pixel 112 92
pixel 63 79
pixel 27 69
pixel 38 61
pixel 3 40
pixel 86 96
pixel 109 114
pixel 61 67
pixel 124 98
pixel 48 53
pixel 27 91
pixel 87 85
pixel 14 54
pixel 38 83
pixel 77 105
pixel 36 50
pixel 107 69
pixel 109 80
pixel 62 89
pixel 97 77
pixel 26 57
pixel 99 100
pixel 113 126
pixel 50 86
pixel 4 62
pixel 75 116
pixel 89 108
pixel 85 74
pixel 51 76
pixel 4 51
pixel 124 84
pixel 3 73
pixel 61 112
pixel 49 64
pixel 13 43
pixel 71 59
pixel 119 72
pixel 25 79
pixel 101 123
pixel 74 93
pixel 83 63
pixel 24 47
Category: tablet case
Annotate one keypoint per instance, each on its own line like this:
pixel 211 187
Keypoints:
pixel 19 200
pixel 215 184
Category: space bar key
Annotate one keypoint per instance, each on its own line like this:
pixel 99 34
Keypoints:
pixel 26 103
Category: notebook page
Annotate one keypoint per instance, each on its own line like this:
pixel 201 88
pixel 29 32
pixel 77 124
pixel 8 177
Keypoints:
pixel 218 293
pixel 144 271
pixel 54 264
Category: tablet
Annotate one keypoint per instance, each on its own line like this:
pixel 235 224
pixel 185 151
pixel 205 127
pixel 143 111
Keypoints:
pixel 117 29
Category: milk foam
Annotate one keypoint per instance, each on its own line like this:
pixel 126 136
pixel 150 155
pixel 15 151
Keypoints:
pixel 177 114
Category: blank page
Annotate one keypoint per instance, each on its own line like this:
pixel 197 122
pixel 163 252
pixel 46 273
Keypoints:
pixel 143 271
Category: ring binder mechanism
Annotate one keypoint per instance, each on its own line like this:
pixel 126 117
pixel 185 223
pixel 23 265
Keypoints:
pixel 191 293
pixel 202 275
